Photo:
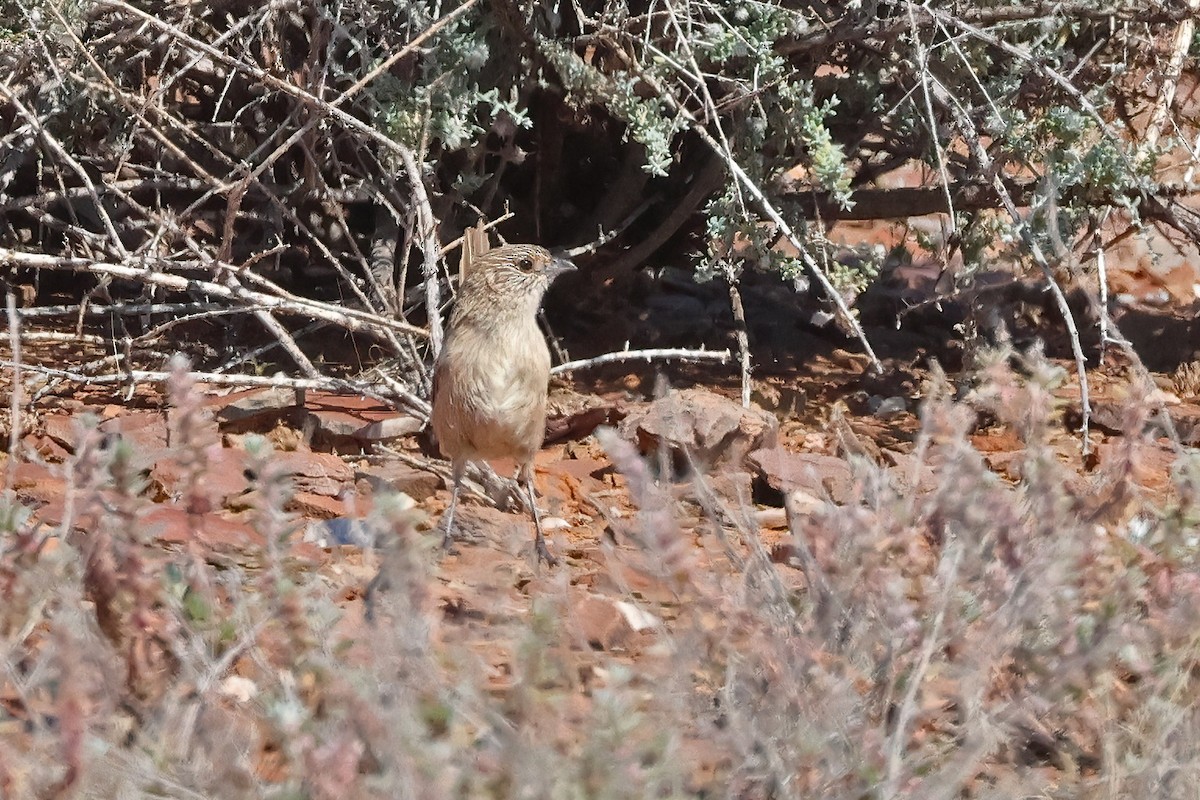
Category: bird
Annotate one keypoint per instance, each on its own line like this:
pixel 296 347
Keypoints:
pixel 492 375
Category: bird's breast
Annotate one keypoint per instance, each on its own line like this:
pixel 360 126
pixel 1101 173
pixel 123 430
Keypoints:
pixel 512 372
pixel 491 392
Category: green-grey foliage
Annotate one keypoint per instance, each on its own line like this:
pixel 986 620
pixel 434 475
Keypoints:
pixel 580 116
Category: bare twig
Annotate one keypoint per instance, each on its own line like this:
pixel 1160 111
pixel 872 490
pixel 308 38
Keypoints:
pixel 62 337
pixel 349 318
pixel 743 339
pixel 261 75
pixel 971 137
pixel 720 356
pixel 238 188
pixel 972 194
pixel 426 220
pixel 487 226
pixel 249 355
pixel 930 119
pixel 811 265
pixel 1170 77
pixel 196 310
pixel 114 239
pixel 604 237
pixel 14 400
pixel 428 240
pixel 744 182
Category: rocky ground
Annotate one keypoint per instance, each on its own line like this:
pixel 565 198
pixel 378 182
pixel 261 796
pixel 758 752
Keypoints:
pixel 739 476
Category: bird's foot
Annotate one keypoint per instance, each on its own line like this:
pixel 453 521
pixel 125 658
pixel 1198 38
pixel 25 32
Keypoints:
pixel 447 540
pixel 544 553
pixel 378 585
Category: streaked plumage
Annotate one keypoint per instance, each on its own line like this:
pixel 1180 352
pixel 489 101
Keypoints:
pixel 490 381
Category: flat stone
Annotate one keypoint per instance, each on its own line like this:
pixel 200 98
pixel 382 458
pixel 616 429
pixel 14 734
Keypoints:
pixel 38 482
pixel 581 469
pixel 334 423
pixel 174 525
pixel 1186 418
pixel 61 428
pixel 203 424
pixel 1150 467
pixel 223 478
pixel 340 416
pixel 887 407
pixel 252 402
pixel 782 400
pixel 712 428
pixel 812 473
pixel 390 428
pixel 599 622
pixel 146 431
pixel 418 484
pixel 316 505
pixel 905 467
pixel 580 424
pixel 319 473
pixel 47 448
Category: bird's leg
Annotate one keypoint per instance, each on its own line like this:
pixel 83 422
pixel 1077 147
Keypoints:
pixel 459 467
pixel 539 541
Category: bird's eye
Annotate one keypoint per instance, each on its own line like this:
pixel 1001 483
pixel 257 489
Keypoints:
pixel 526 264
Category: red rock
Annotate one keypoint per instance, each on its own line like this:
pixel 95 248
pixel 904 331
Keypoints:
pixel 319 473
pixel 815 474
pixel 308 554
pixel 38 482
pixel 1151 463
pixel 582 469
pixel 579 425
pixel 51 512
pixel 708 426
pixel 351 416
pixel 1001 440
pixel 146 431
pixel 732 484
pixel 418 484
pixel 316 506
pixel 47 448
pixel 62 429
pixel 902 473
pixel 204 428
pixel 390 428
pixel 1186 418
pixel 238 406
pixel 625 579
pixel 223 478
pixel 174 525
pixel 1005 463
pixel 599 623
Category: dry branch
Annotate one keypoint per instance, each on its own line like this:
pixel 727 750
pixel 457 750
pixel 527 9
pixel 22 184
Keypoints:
pixel 720 356
pixel 973 195
pixel 348 318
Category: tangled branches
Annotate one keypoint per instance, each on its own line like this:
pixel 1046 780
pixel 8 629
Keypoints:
pixel 307 159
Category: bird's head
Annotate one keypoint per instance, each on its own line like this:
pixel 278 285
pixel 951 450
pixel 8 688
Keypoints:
pixel 517 275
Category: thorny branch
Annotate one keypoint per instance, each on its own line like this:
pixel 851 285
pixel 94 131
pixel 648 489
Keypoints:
pixel 284 165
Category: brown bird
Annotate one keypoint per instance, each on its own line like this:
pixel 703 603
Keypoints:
pixel 490 381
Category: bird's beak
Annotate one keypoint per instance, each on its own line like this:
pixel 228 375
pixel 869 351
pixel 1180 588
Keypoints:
pixel 559 266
